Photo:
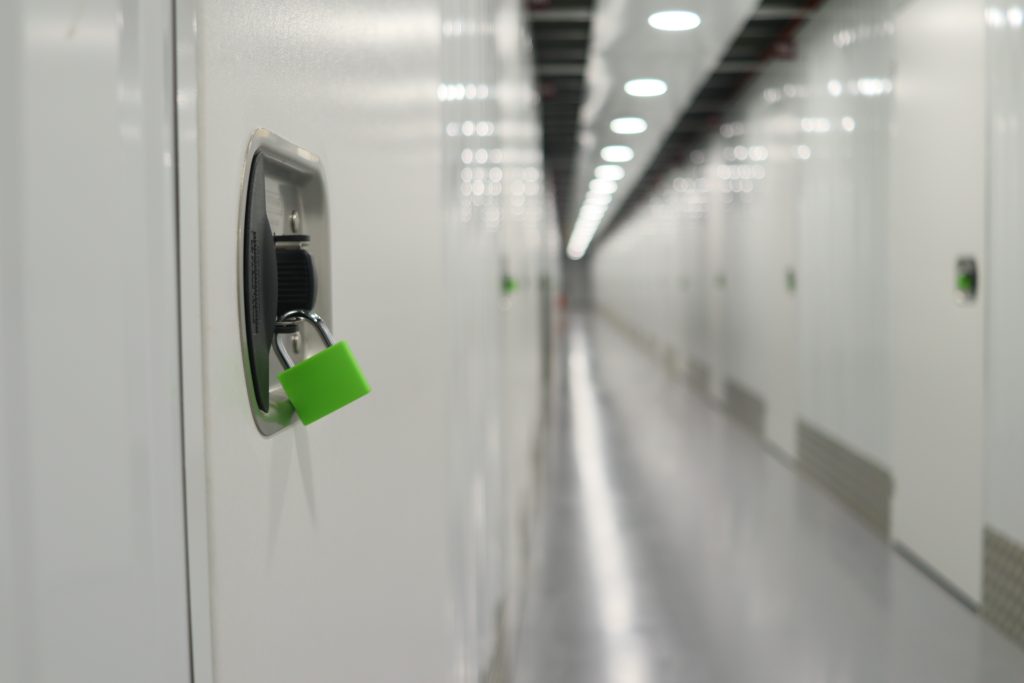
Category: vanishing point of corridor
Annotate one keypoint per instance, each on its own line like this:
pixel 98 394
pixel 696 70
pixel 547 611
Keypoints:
pixel 677 548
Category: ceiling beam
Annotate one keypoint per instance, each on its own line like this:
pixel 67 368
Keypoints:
pixel 567 15
pixel 740 66
pixel 564 69
pixel 561 34
pixel 782 14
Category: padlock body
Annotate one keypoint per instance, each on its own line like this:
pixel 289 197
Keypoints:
pixel 323 383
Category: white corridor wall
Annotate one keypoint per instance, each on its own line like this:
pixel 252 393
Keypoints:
pixel 811 245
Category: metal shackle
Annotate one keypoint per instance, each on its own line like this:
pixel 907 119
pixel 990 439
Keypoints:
pixel 293 316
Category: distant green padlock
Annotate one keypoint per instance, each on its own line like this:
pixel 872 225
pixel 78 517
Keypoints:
pixel 323 382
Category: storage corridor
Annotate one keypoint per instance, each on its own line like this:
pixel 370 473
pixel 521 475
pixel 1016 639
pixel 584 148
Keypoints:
pixel 676 547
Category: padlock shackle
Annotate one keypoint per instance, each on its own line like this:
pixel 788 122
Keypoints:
pixel 312 318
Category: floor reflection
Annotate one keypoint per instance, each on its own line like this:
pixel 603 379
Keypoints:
pixel 676 549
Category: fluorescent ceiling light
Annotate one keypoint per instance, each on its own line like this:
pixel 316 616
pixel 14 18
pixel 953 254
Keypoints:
pixel 646 87
pixel 617 153
pixel 582 235
pixel 599 186
pixel 628 125
pixel 674 20
pixel 609 172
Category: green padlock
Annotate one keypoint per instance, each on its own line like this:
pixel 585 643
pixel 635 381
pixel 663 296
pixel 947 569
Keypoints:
pixel 323 382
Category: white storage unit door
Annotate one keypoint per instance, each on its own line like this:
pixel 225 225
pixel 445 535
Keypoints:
pixel 92 538
pixel 327 544
pixel 938 216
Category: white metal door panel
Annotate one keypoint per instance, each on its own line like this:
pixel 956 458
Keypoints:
pixel 759 246
pixel 92 545
pixel 938 215
pixel 327 544
pixel 844 229
pixel 1004 284
pixel 718 294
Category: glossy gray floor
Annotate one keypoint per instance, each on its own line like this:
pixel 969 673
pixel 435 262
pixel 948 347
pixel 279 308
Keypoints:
pixel 676 549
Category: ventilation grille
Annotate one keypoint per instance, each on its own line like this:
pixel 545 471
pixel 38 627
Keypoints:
pixel 746 406
pixel 699 377
pixel 1003 598
pixel 864 486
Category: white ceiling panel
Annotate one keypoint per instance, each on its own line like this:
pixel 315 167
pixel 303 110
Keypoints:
pixel 623 47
